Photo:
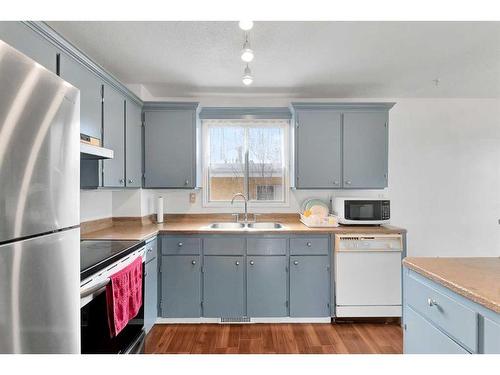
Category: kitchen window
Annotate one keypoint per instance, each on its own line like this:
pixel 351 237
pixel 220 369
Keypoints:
pixel 265 193
pixel 245 156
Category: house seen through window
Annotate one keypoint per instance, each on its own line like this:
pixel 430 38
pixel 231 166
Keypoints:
pixel 248 157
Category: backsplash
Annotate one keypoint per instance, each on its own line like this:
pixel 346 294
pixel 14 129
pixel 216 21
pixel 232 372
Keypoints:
pixel 141 202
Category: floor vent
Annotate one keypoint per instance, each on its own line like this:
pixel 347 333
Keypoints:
pixel 242 319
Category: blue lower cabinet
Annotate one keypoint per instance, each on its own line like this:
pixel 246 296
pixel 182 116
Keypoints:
pixel 453 317
pixel 223 286
pixel 181 286
pixel 438 320
pixel 309 286
pixel 150 292
pixel 422 337
pixel 266 286
pixel 491 337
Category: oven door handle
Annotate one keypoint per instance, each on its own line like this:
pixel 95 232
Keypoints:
pixel 87 292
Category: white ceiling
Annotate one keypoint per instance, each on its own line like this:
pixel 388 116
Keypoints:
pixel 298 59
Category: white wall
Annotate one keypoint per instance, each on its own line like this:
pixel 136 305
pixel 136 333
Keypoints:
pixel 444 176
pixel 177 201
pixel 95 204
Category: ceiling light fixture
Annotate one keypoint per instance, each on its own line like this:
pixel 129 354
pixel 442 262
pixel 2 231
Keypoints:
pixel 247 76
pixel 247 54
pixel 245 25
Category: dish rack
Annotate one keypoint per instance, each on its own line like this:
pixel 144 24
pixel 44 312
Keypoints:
pixel 330 221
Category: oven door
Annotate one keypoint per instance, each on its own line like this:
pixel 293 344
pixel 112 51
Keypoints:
pixel 366 211
pixel 95 334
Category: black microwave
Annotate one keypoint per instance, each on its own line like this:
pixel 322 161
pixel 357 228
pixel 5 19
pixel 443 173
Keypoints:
pixel 362 211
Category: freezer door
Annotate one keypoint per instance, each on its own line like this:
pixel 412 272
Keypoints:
pixel 39 294
pixel 39 148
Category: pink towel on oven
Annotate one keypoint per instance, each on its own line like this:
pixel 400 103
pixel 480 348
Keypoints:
pixel 124 296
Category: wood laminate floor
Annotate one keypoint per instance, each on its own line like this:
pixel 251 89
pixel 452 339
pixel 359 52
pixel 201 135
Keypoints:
pixel 343 338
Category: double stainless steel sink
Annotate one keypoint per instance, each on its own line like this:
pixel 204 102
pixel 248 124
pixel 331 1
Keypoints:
pixel 244 226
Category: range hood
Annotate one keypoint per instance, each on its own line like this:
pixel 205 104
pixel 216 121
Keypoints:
pixel 91 152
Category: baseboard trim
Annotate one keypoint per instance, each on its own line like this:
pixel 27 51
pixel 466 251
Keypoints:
pixel 279 320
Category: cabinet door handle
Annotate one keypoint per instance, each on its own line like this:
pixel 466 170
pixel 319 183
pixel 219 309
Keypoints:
pixel 180 244
pixel 432 302
pixel 130 181
pixel 295 262
pixel 348 182
pixel 186 182
pixel 237 263
pixel 252 263
pixel 121 180
pixel 309 244
pixel 193 262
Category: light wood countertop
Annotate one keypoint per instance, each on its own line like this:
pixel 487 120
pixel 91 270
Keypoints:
pixel 477 279
pixel 193 224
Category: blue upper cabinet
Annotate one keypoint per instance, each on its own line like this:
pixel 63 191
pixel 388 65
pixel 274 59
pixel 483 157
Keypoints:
pixel 318 149
pixel 133 145
pixel 170 141
pixel 341 145
pixel 90 94
pixel 114 137
pixel 22 38
pixel 103 120
pixel 365 149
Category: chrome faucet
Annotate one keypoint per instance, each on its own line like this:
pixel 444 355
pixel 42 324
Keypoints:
pixel 246 204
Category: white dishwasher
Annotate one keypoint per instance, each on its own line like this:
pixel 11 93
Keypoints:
pixel 368 275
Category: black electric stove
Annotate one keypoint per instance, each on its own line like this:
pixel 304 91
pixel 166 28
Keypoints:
pixel 96 255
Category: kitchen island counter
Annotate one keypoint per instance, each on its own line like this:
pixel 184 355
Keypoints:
pixel 477 279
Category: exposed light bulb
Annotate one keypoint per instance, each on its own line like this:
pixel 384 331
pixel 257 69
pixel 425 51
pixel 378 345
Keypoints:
pixel 245 25
pixel 247 54
pixel 247 76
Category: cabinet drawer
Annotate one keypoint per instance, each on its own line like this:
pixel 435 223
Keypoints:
pixel 266 246
pixel 421 337
pixel 224 246
pixel 454 318
pixel 309 246
pixel 180 246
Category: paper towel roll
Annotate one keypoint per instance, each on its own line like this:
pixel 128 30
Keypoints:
pixel 159 210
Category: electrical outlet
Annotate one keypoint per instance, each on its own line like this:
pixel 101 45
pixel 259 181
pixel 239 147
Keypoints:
pixel 192 197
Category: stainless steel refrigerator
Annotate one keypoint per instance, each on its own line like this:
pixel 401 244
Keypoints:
pixel 39 208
